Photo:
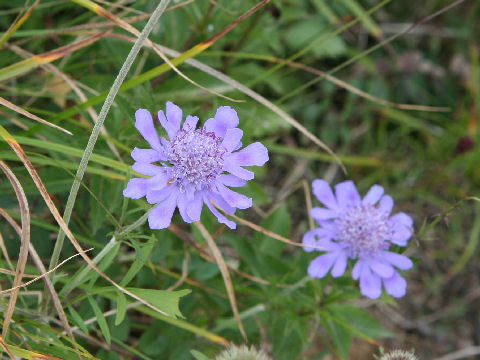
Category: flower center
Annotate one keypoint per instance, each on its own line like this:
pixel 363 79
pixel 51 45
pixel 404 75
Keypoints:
pixel 197 158
pixel 364 229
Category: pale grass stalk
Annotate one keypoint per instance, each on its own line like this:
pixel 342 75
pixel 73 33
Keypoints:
pixel 24 244
pixel 98 125
pixel 224 271
pixel 269 233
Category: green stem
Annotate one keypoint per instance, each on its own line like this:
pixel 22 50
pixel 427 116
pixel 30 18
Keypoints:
pixel 98 125
pixel 78 279
pixel 110 245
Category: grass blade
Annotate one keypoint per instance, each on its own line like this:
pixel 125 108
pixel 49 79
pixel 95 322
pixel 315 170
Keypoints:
pixel 24 245
pixel 32 63
pixel 23 112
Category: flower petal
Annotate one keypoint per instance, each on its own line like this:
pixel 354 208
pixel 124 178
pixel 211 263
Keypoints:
pixel 320 266
pixel 158 181
pixel 402 220
pixel 221 219
pixel 323 192
pixel 174 115
pixel 171 122
pixel 357 269
pixel 147 169
pixel 373 195
pixel 225 118
pixel 160 216
pixel 340 265
pixel 136 188
pixel 238 171
pixel 219 201
pixel 381 269
pixel 386 204
pixel 232 138
pixel 194 207
pixel 320 239
pixel 146 155
pixel 370 284
pixel 233 198
pixel 398 260
pixel 231 180
pixel 396 285
pixel 310 239
pixel 347 194
pixel 402 229
pixel 320 214
pixel 255 154
pixel 156 196
pixel 182 207
pixel 144 124
pixel 190 123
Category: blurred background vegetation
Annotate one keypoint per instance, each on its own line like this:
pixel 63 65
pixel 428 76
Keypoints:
pixel 345 70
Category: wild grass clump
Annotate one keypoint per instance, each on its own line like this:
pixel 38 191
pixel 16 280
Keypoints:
pixel 159 161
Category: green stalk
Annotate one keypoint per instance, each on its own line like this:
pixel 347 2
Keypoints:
pixel 98 125
pixel 113 241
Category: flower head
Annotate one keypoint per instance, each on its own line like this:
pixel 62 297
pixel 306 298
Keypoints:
pixel 361 229
pixel 242 352
pixel 397 355
pixel 193 166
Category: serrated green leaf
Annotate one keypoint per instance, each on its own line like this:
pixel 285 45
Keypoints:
pixel 357 321
pixel 163 299
pixel 142 252
pixel 340 336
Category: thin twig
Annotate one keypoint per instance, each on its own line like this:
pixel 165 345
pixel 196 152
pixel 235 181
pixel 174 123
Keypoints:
pixel 269 233
pixel 224 271
pixel 42 275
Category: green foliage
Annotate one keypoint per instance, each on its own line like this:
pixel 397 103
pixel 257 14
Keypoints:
pixel 428 161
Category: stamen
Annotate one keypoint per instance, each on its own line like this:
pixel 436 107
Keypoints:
pixel 196 158
pixel 364 229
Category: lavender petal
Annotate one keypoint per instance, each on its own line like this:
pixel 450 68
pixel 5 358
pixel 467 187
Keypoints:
pixel 190 123
pixel 146 155
pixel 370 284
pixel 396 285
pixel 398 260
pixel 323 192
pixel 340 265
pixel 320 266
pixel 373 195
pixel 160 217
pixel 233 198
pixel 347 194
pixel 136 188
pixel 225 118
pixel 144 124
pixel 255 154
pixel 231 180
pixel 232 138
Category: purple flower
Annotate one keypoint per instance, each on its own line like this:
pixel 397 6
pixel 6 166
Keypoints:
pixel 189 169
pixel 359 229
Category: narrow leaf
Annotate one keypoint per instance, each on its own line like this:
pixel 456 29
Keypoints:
pixel 101 320
pixel 121 308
